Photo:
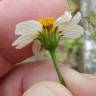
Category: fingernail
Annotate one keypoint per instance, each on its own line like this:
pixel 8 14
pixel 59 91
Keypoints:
pixel 47 88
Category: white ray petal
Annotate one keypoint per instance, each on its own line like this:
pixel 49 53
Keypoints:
pixel 64 18
pixel 23 41
pixel 36 47
pixel 72 31
pixel 76 19
pixel 28 27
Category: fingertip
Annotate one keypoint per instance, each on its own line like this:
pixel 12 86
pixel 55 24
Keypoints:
pixel 72 75
pixel 47 88
pixel 74 80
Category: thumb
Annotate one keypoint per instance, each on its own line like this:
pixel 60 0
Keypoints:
pixel 78 84
pixel 47 89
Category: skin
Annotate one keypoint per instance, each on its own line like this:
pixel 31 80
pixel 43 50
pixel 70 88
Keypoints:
pixel 48 88
pixel 15 80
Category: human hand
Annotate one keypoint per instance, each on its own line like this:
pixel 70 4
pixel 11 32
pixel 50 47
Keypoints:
pixel 11 13
pixel 20 78
pixel 78 84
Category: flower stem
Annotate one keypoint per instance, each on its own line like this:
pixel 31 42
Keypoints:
pixel 57 67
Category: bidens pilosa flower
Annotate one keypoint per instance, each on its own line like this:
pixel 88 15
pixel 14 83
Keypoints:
pixel 46 32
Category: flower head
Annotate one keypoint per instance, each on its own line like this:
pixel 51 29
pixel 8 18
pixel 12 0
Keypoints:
pixel 46 32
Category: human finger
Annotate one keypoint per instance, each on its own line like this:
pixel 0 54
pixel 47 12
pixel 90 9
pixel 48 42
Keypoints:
pixel 47 88
pixel 79 84
pixel 13 12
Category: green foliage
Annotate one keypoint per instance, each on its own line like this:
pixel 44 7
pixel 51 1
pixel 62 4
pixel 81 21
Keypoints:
pixel 70 1
pixel 92 21
pixel 72 43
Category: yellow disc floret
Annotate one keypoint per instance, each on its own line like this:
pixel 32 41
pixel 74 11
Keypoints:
pixel 47 22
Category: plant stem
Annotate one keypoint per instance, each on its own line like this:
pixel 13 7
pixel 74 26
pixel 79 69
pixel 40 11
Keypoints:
pixel 57 67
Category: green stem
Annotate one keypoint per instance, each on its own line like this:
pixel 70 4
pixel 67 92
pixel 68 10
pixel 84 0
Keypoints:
pixel 57 67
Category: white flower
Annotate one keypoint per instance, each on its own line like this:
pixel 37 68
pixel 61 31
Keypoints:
pixel 29 31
